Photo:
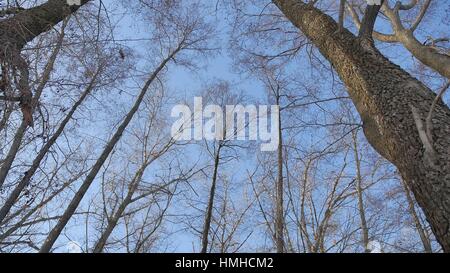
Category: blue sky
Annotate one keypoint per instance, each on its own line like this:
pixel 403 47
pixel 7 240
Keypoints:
pixel 185 84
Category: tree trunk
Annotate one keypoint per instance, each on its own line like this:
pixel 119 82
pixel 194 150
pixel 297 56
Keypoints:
pixel 12 198
pixel 212 193
pixel 386 97
pixel 6 114
pixel 20 133
pixel 13 150
pixel 359 192
pixel 70 210
pixel 17 31
pixel 112 222
pixel 279 213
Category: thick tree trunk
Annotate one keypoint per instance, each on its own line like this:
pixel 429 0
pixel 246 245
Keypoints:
pixel 17 31
pixel 386 97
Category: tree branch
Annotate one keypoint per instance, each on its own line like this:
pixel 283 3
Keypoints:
pixel 30 23
pixel 369 19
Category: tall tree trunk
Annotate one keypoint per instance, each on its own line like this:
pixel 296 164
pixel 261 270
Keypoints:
pixel 12 152
pixel 15 33
pixel 70 210
pixel 32 211
pixel 132 188
pixel 12 198
pixel 209 209
pixel 392 104
pixel 20 133
pixel 279 212
pixel 7 111
pixel 359 192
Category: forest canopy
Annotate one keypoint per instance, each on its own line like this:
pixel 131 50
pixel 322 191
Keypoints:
pixel 223 126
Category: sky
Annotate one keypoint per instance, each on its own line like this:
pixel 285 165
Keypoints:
pixel 185 84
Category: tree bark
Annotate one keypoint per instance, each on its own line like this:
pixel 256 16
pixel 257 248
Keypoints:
pixel 23 27
pixel 386 98
pixel 17 31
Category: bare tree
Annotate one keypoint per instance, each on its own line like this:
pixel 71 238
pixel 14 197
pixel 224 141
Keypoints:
pixel 87 159
pixel 153 148
pixel 219 150
pixel 192 37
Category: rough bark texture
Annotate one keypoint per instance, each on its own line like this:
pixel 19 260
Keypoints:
pixel 384 95
pixel 17 31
